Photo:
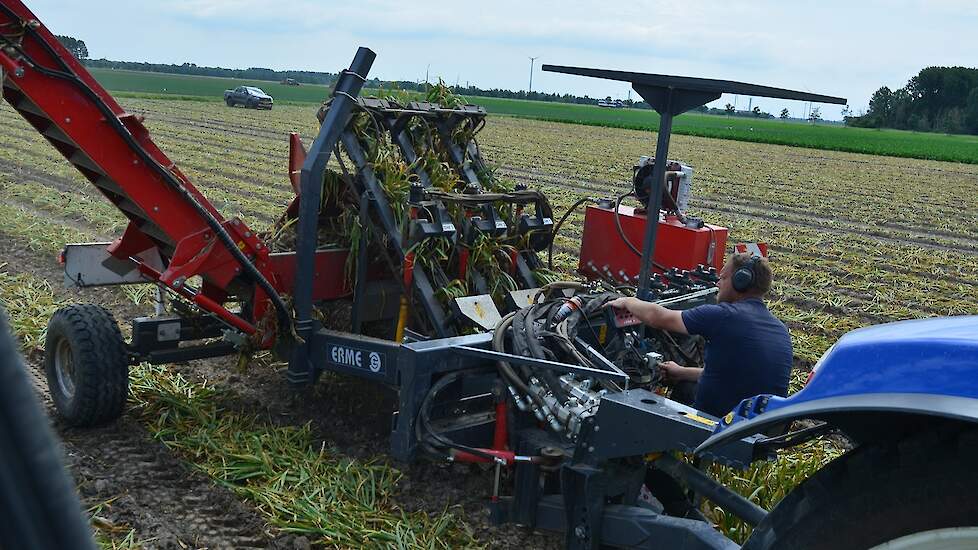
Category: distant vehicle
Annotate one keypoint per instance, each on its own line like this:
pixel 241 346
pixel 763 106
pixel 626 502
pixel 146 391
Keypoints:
pixel 290 82
pixel 249 96
pixel 613 104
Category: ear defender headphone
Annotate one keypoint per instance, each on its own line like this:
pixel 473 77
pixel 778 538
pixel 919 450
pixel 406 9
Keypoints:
pixel 744 278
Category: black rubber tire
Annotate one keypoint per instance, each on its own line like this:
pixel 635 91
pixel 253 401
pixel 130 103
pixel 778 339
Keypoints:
pixel 99 363
pixel 878 493
pixel 229 102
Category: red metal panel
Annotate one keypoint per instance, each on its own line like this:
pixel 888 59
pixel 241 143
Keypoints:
pixel 330 281
pixel 676 245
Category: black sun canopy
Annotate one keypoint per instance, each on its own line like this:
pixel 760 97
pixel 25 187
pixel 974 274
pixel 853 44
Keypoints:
pixel 678 94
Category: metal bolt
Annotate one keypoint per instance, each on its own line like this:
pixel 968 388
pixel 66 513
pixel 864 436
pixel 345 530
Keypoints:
pixel 34 23
pixel 580 532
pixel 19 72
pixel 67 120
pixel 590 449
pixel 597 428
pixel 247 234
pixel 207 236
pixel 156 209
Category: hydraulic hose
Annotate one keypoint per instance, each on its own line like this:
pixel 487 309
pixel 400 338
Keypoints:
pixel 621 232
pixel 557 285
pixel 498 337
pixel 284 318
pixel 424 420
pixel 553 236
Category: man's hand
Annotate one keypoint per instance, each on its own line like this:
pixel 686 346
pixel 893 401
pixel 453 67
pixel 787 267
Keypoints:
pixel 622 303
pixel 673 373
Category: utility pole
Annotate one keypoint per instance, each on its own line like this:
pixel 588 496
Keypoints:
pixel 532 59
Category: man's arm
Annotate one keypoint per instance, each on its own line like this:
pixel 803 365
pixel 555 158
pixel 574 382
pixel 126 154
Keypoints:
pixel 651 314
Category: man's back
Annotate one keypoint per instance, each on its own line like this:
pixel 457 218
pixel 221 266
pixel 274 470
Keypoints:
pixel 748 352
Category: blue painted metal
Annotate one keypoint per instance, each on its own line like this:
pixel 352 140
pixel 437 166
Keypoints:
pixel 927 366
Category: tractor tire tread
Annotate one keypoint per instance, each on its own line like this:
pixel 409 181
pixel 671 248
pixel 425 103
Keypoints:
pixel 878 492
pixel 102 381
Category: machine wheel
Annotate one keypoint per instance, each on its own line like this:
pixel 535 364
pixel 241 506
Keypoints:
pixel 86 364
pixel 229 102
pixel 917 492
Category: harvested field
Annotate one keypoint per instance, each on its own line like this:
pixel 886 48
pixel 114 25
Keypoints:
pixel 856 240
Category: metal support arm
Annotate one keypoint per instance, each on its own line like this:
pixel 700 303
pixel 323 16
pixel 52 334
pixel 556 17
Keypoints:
pixel 310 183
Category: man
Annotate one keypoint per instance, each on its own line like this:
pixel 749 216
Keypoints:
pixel 748 350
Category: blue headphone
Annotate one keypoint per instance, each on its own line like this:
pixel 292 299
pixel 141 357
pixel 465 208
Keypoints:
pixel 744 278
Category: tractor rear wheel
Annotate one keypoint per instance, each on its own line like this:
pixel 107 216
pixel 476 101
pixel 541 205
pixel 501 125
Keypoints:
pixel 86 364
pixel 915 493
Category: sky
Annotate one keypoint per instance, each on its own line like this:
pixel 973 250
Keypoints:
pixel 838 48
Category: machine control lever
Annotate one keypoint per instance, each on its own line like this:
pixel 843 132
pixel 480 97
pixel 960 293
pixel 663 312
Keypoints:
pixel 621 318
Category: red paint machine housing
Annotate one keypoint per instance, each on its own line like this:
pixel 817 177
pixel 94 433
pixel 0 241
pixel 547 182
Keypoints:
pixel 605 254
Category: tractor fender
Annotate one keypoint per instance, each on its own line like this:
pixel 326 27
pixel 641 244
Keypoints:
pixel 924 367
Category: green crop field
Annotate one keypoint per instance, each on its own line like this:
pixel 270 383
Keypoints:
pixel 898 143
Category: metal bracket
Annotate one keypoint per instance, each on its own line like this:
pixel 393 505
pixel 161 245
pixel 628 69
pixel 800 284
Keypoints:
pixel 480 309
pixel 91 264
pixel 540 363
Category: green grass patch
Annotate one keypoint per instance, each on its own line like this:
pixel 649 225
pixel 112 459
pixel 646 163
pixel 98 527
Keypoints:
pixel 29 303
pixel 898 143
pixel 301 487
pixel 208 87
pixel 766 483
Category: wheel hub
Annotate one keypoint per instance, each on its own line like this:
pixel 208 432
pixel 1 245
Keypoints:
pixel 64 366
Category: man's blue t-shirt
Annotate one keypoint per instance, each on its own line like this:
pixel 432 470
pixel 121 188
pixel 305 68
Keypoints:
pixel 748 352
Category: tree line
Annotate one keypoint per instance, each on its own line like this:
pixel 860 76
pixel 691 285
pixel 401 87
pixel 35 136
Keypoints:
pixel 938 99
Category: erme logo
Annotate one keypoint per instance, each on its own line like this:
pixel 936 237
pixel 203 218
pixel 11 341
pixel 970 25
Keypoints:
pixel 346 356
pixel 356 358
